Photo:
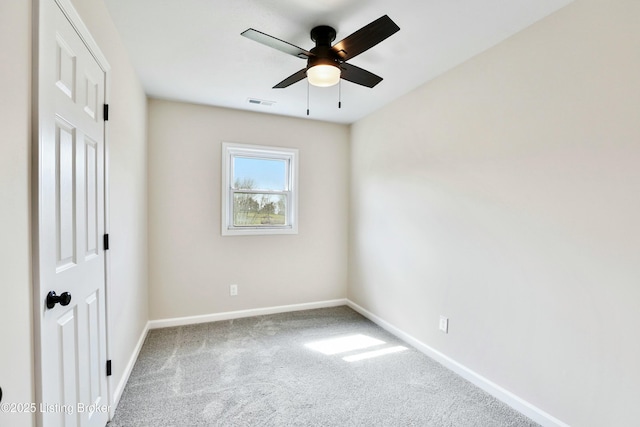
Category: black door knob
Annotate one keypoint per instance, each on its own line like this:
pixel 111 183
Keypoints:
pixel 52 299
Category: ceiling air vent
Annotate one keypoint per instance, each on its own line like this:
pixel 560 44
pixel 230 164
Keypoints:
pixel 255 101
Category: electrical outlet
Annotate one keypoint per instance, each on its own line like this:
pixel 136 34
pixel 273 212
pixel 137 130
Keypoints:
pixel 444 324
pixel 233 290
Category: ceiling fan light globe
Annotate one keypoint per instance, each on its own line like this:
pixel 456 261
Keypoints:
pixel 323 75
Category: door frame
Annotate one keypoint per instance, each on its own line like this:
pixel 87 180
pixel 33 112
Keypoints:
pixel 41 105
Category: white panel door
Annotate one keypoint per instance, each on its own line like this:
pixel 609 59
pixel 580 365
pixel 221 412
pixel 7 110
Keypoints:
pixel 71 260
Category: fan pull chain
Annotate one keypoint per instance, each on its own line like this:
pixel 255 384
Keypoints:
pixel 307 97
pixel 340 93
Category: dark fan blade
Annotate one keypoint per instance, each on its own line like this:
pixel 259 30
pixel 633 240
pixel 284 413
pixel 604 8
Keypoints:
pixel 294 78
pixel 358 75
pixel 275 43
pixel 365 38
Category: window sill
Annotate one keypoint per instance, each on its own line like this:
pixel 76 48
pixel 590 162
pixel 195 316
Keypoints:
pixel 257 231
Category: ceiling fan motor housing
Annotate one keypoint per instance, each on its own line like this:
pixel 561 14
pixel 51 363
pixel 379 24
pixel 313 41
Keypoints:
pixel 323 35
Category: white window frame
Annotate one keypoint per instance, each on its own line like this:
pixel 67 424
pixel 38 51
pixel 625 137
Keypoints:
pixel 290 156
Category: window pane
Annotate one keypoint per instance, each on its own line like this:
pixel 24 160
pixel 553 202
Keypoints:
pixel 259 174
pixel 259 209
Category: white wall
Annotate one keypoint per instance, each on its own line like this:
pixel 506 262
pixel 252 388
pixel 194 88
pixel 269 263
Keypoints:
pixel 16 373
pixel 127 132
pixel 504 195
pixel 191 264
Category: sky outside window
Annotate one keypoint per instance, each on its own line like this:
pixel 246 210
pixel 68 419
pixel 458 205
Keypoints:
pixel 266 174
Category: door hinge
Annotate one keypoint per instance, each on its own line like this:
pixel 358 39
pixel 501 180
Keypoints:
pixel 105 112
pixel 108 368
pixel 105 241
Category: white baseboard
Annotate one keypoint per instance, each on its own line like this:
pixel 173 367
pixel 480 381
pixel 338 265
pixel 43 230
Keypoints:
pixel 228 315
pixel 117 393
pixel 520 405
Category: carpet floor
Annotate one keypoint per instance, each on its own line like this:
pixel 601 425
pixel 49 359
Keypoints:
pixel 324 367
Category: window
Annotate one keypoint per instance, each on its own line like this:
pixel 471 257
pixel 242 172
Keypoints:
pixel 259 190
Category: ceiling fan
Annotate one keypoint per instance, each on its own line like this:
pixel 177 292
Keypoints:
pixel 326 64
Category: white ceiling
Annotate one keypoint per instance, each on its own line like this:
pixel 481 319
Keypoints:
pixel 191 50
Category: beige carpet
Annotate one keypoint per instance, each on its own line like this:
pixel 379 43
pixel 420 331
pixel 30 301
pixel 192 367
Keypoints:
pixel 326 367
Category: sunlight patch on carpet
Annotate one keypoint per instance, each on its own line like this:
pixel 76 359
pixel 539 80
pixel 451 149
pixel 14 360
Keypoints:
pixel 344 344
pixel 374 353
